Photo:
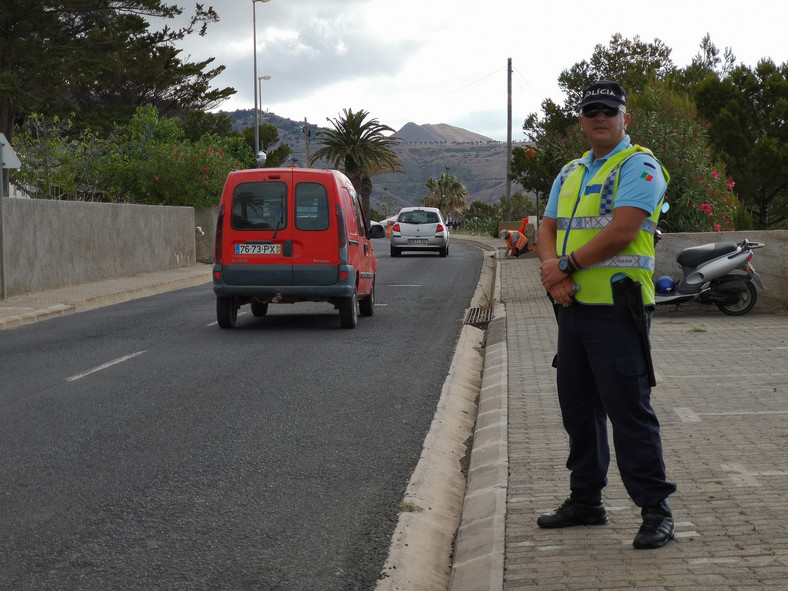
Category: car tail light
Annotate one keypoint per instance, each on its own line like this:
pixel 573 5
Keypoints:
pixel 439 229
pixel 395 228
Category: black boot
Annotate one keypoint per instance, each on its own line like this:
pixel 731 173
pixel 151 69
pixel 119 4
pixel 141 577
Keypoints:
pixel 577 509
pixel 657 529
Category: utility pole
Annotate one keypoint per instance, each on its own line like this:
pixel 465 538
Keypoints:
pixel 509 129
pixel 307 133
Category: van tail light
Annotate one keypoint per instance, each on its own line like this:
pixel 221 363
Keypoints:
pixel 395 228
pixel 341 229
pixel 219 235
pixel 342 237
pixel 439 229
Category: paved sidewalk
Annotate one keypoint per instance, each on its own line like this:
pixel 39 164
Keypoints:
pixel 722 400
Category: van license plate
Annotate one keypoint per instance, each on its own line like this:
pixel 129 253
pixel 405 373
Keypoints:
pixel 258 249
pixel 417 241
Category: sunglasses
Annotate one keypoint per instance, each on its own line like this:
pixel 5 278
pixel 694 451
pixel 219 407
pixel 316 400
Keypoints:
pixel 593 110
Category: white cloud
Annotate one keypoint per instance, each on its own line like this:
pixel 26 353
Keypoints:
pixel 444 61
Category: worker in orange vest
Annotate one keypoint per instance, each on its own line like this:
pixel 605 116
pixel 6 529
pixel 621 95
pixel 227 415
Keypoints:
pixel 516 241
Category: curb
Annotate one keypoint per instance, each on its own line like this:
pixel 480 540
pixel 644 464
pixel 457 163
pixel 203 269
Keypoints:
pixel 420 553
pixel 480 546
pixel 419 556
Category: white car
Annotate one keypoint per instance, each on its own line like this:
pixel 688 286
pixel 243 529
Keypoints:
pixel 420 228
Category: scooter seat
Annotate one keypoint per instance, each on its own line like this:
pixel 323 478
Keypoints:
pixel 694 256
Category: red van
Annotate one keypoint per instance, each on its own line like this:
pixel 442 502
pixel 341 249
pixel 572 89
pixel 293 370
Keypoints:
pixel 287 235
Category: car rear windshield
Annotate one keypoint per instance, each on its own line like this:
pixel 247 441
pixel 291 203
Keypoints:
pixel 259 206
pixel 418 217
pixel 311 207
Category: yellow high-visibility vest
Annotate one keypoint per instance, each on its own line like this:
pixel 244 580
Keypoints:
pixel 579 220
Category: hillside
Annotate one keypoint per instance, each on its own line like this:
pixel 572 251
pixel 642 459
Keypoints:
pixel 427 150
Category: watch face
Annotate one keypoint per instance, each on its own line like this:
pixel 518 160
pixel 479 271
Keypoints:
pixel 563 265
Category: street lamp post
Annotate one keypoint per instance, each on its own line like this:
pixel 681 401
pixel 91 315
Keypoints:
pixel 254 42
pixel 260 79
pixel 260 155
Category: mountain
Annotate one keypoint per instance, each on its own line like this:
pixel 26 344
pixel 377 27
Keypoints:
pixel 412 134
pixel 427 150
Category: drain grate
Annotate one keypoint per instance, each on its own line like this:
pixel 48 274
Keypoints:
pixel 479 317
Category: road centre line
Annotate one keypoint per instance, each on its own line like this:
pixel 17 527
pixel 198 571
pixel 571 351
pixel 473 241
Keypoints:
pixel 104 366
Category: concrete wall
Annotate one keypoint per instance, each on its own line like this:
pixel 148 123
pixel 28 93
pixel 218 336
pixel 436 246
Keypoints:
pixel 206 219
pixel 769 261
pixel 51 244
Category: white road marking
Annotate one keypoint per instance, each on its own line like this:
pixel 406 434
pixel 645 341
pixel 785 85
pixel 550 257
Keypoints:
pixel 104 366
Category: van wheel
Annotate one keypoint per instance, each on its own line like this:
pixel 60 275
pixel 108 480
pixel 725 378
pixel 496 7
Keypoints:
pixel 348 311
pixel 259 309
pixel 226 312
pixel 367 305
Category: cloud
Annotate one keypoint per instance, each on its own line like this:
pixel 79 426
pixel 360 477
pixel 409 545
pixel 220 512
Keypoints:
pixel 444 61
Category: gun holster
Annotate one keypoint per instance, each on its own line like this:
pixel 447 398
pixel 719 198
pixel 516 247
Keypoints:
pixel 633 293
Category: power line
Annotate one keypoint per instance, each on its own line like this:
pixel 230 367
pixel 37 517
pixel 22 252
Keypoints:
pixel 497 71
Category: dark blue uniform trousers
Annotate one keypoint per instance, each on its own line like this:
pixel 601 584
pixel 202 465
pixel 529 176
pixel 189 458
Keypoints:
pixel 602 374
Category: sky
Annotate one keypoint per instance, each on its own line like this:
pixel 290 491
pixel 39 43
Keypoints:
pixel 445 61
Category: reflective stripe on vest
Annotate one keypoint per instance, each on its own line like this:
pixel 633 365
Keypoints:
pixel 516 240
pixel 580 218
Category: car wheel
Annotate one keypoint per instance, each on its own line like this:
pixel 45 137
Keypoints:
pixel 394 251
pixel 444 251
pixel 348 311
pixel 226 312
pixel 367 305
pixel 259 309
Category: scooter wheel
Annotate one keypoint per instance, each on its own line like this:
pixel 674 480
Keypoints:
pixel 744 304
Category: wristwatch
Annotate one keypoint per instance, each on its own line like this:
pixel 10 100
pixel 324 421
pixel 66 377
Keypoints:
pixel 565 265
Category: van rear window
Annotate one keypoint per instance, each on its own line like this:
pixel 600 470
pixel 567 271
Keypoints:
pixel 259 206
pixel 311 207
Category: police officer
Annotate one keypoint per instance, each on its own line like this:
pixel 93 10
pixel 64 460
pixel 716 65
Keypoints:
pixel 597 251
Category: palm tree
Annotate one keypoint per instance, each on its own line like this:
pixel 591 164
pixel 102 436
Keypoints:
pixel 446 193
pixel 359 149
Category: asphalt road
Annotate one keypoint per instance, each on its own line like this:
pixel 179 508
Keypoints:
pixel 145 448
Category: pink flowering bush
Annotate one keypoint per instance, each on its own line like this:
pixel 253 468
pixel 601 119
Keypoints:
pixel 700 193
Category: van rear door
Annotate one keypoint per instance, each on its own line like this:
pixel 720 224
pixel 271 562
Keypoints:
pixel 259 243
pixel 315 233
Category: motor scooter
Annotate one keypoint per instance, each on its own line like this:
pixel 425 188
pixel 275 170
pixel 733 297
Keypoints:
pixel 719 273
